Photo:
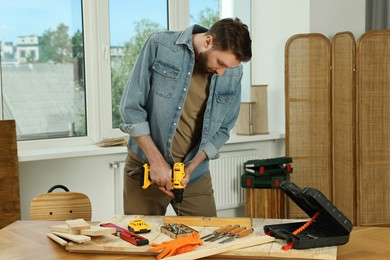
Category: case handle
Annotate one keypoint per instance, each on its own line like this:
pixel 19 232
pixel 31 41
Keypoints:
pixel 58 186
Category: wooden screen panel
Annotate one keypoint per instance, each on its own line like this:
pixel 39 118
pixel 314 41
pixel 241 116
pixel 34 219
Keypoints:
pixel 9 175
pixel 343 123
pixel 308 113
pixel 373 128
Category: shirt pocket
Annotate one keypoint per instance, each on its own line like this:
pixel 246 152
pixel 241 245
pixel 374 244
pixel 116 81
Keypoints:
pixel 225 98
pixel 164 78
pixel 222 107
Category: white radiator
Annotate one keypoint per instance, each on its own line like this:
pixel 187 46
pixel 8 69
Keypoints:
pixel 225 173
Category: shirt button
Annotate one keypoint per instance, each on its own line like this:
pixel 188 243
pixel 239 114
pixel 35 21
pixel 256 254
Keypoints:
pixel 185 89
pixel 165 72
pixel 174 123
pixel 179 108
pixel 189 73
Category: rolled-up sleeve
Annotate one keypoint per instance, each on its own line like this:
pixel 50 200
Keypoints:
pixel 211 151
pixel 135 95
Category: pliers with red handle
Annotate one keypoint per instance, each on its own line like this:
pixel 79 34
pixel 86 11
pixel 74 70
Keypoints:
pixel 126 235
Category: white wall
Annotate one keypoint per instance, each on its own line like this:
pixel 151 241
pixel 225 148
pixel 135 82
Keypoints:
pixel 333 16
pixel 242 10
pixel 274 22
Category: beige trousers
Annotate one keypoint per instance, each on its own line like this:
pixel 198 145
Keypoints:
pixel 198 198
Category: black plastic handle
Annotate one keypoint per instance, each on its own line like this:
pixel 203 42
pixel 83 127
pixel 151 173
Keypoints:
pixel 58 186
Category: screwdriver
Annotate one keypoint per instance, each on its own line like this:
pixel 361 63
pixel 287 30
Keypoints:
pixel 238 235
pixel 217 232
pixel 221 235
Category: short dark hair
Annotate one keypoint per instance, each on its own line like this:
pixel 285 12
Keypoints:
pixel 232 35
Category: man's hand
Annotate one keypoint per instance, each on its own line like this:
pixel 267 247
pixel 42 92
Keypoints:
pixel 192 166
pixel 161 174
pixel 160 171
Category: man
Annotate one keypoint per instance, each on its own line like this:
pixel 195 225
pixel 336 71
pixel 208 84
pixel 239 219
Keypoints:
pixel 180 103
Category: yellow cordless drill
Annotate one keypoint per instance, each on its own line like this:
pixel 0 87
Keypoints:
pixel 177 177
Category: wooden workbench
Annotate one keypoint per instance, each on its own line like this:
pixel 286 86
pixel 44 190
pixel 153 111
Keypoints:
pixel 28 240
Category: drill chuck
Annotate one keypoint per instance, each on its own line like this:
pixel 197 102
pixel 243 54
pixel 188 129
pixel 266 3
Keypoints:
pixel 178 195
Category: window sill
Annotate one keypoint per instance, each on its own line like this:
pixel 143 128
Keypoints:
pixel 31 154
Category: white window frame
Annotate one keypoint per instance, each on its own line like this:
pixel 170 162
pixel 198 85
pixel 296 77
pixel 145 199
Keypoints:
pixel 98 74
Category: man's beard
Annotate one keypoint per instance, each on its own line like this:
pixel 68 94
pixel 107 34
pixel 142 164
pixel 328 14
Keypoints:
pixel 202 62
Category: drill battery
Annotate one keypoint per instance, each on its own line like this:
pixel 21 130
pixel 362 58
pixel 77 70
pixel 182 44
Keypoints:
pixel 177 176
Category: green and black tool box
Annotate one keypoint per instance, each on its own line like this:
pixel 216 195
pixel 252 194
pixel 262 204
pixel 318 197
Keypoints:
pixel 266 173
pixel 329 228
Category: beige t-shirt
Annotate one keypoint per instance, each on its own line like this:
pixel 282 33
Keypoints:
pixel 189 129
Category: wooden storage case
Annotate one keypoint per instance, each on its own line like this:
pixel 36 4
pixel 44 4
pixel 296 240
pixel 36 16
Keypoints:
pixel 330 228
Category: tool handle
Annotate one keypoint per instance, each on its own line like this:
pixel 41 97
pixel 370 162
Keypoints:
pixel 244 233
pixel 145 180
pixel 231 228
pixel 222 229
pixel 236 230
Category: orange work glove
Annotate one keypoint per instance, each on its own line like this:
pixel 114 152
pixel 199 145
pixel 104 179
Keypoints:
pixel 177 246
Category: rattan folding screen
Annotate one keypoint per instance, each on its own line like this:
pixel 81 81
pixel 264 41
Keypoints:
pixel 308 112
pixel 338 121
pixel 373 135
pixel 343 123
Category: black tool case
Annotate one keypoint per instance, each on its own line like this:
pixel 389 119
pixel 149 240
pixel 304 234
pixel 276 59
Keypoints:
pixel 330 228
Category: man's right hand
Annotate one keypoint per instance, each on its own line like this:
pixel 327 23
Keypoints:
pixel 160 170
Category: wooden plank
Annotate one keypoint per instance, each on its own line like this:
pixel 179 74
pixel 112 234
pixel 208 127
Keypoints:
pixel 64 228
pixel 94 231
pixel 73 237
pixel 207 221
pixel 57 239
pixel 216 248
pixel 9 174
pixel 77 224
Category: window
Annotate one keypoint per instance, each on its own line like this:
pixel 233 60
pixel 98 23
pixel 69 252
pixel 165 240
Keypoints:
pixel 128 33
pixel 41 50
pixel 204 12
pixel 127 36
pixel 64 63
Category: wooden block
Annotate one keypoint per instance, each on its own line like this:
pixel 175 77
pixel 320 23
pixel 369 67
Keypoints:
pixel 265 203
pixel 259 109
pixel 207 221
pixel 9 174
pixel 97 231
pixel 57 239
pixel 77 224
pixel 244 121
pixel 75 238
pixel 63 229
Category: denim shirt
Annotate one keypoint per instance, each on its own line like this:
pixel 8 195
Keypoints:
pixel 154 96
